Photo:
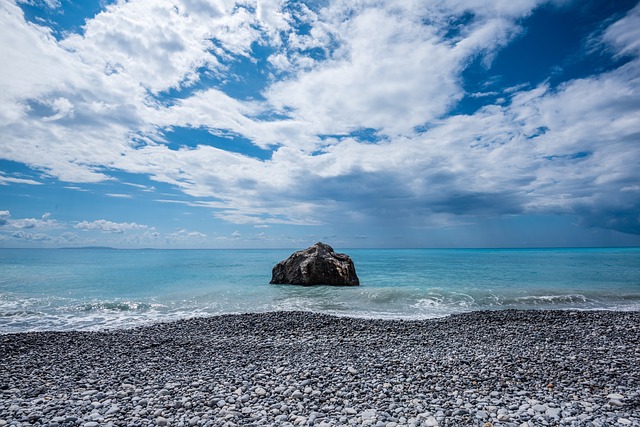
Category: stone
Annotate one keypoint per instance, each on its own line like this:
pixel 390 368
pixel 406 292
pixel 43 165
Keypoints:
pixel 113 410
pixel 482 415
pixel 316 265
pixel 431 422
pixel 390 387
pixel 553 412
pixel 615 399
pixel 539 408
pixel 368 414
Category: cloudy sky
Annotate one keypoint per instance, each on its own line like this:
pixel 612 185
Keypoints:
pixel 267 123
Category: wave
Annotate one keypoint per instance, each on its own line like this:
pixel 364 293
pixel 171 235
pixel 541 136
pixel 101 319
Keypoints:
pixel 54 313
pixel 116 306
pixel 553 299
pixel 18 314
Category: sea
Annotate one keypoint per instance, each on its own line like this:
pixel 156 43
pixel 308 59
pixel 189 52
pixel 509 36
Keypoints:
pixel 96 289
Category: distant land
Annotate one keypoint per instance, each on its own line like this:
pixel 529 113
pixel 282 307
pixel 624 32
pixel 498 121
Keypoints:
pixel 90 247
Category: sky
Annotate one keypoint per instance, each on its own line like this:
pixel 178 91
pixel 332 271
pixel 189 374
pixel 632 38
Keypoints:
pixel 276 124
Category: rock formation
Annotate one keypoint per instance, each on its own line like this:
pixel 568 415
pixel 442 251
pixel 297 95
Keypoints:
pixel 316 265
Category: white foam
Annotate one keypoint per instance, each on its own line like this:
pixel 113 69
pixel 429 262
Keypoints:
pixel 552 299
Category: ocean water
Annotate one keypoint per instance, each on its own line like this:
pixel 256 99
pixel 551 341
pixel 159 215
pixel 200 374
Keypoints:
pixel 90 289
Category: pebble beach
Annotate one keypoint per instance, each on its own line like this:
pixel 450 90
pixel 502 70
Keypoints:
pixel 487 368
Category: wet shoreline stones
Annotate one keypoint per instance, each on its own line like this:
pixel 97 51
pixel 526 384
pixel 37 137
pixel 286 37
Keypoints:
pixel 501 368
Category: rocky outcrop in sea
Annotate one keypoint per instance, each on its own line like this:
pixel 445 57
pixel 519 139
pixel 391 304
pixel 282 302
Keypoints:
pixel 316 265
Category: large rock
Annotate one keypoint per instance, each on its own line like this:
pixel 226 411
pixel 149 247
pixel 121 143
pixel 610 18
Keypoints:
pixel 316 265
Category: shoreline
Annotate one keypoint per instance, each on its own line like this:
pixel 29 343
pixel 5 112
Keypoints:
pixel 142 321
pixel 505 367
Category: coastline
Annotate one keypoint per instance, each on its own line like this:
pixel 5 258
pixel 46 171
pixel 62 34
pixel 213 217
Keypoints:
pixel 507 368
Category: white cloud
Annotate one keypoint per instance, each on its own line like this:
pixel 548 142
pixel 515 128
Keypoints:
pixel 26 236
pixel 184 235
pixel 145 188
pixel 7 180
pixel 43 222
pixel 161 44
pixel 234 236
pixel 100 79
pixel 270 15
pixel 51 4
pixel 76 188
pixel 389 66
pixel 624 34
pixel 68 237
pixel 4 217
pixel 61 107
pixel 89 92
pixel 32 64
pixel 119 195
pixel 153 235
pixel 109 226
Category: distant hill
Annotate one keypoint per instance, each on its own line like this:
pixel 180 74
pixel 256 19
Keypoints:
pixel 91 247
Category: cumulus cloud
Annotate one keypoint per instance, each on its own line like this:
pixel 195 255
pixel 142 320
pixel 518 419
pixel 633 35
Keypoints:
pixel 392 70
pixel 68 237
pixel 153 235
pixel 4 217
pixel 185 236
pixel 162 44
pixel 105 226
pixel 44 222
pixel 27 236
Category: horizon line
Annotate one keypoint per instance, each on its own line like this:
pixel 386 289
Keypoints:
pixel 297 248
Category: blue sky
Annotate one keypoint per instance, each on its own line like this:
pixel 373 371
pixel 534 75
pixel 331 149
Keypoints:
pixel 267 123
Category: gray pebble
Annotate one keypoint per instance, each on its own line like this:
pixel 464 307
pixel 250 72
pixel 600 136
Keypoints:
pixel 504 368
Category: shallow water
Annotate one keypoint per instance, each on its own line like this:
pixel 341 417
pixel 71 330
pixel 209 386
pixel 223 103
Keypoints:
pixel 63 289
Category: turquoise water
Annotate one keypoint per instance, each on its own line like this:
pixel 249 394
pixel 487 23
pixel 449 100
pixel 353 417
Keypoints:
pixel 63 289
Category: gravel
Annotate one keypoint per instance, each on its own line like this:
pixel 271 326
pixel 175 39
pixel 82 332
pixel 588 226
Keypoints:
pixel 500 368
